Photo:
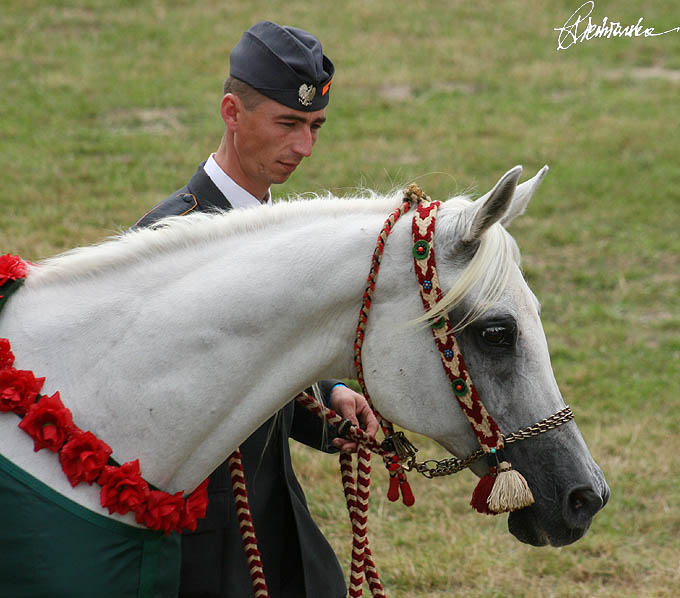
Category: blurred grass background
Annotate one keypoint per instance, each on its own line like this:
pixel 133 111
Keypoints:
pixel 108 106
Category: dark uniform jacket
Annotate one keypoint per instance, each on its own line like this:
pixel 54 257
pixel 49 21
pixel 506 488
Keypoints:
pixel 298 561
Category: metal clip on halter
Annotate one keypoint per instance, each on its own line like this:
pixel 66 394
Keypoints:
pixel 403 447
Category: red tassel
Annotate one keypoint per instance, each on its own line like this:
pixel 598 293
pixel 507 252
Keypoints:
pixel 406 492
pixel 480 496
pixel 393 492
pixel 393 468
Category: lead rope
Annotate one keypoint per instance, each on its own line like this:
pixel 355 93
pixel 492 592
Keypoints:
pixel 402 449
pixel 245 524
pixel 357 491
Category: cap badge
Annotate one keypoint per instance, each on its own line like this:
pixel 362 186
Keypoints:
pixel 306 94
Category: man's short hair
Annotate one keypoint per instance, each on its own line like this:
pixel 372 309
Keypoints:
pixel 250 97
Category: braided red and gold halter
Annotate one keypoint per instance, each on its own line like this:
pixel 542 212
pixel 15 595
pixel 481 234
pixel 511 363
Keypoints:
pixel 502 489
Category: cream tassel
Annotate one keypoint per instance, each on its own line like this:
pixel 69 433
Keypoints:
pixel 510 491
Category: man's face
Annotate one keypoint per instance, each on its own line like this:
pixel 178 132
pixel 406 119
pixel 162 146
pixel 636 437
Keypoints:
pixel 271 140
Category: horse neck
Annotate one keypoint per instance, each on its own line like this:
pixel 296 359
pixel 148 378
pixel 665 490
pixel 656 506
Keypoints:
pixel 179 369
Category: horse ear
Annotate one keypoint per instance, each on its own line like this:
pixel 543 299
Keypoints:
pixel 489 209
pixel 523 194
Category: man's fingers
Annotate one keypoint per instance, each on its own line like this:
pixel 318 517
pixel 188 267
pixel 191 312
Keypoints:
pixel 345 446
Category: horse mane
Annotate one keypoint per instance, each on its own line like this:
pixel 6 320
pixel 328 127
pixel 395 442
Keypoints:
pixel 175 233
pixel 487 272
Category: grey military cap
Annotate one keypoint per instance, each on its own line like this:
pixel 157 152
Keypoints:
pixel 285 64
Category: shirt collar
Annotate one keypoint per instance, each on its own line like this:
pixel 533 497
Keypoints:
pixel 238 197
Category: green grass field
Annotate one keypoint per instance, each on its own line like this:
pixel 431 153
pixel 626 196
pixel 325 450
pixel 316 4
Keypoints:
pixel 107 107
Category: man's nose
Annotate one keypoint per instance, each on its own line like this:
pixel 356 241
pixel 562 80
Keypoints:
pixel 304 142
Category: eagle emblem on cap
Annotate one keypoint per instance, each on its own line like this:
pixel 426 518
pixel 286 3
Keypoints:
pixel 306 94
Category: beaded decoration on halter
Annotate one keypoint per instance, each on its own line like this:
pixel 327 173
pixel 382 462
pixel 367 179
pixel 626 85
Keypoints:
pixel 503 488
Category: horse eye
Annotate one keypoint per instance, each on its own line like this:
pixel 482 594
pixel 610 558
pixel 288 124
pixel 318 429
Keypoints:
pixel 499 336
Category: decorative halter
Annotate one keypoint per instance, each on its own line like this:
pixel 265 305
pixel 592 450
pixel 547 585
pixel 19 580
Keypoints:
pixel 502 489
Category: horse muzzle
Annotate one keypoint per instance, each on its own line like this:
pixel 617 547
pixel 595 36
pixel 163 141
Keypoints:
pixel 541 524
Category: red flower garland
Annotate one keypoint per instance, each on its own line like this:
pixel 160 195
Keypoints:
pixel 123 488
pixel 6 356
pixel 163 511
pixel 49 423
pixel 83 456
pixel 18 389
pixel 12 267
pixel 195 507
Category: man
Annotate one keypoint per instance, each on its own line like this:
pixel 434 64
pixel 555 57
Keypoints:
pixel 273 106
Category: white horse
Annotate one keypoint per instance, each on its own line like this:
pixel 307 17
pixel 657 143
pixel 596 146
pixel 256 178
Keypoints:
pixel 173 344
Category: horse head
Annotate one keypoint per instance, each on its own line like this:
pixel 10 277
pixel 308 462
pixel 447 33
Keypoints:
pixel 496 320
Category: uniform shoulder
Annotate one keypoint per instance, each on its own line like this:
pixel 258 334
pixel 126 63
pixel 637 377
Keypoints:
pixel 178 204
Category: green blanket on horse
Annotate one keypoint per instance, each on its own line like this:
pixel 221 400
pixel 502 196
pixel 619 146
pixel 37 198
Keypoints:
pixel 145 563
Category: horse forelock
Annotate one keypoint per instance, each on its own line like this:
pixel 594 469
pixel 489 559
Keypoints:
pixel 176 233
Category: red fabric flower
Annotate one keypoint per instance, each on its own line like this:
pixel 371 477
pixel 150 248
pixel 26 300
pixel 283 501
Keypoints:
pixel 18 390
pixel 83 457
pixel 6 356
pixel 163 511
pixel 123 488
pixel 195 507
pixel 11 268
pixel 49 423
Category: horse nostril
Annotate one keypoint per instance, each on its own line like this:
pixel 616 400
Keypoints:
pixel 582 504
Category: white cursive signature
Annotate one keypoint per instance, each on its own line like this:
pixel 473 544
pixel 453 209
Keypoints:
pixel 569 33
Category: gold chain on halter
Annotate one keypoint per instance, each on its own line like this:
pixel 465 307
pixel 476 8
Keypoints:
pixel 433 468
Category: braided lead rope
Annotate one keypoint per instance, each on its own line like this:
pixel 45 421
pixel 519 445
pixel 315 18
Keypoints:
pixel 356 497
pixel 356 492
pixel 245 524
pixel 377 590
pixel 358 522
pixel 412 195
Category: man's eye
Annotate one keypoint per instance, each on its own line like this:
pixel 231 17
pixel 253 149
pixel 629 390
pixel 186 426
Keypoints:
pixel 499 336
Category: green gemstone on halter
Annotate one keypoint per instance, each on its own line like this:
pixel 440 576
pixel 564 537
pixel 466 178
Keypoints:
pixel 460 387
pixel 440 322
pixel 421 249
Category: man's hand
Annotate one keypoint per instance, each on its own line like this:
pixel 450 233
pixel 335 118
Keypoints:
pixel 354 407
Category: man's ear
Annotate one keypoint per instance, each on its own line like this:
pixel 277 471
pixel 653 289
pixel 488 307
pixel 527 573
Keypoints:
pixel 229 109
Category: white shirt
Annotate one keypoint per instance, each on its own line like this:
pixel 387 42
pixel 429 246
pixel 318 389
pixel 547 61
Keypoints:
pixel 238 197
